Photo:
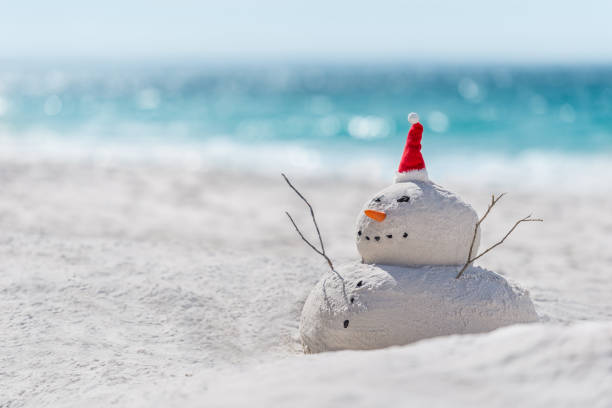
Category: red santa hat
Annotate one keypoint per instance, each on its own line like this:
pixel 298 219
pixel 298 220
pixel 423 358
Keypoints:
pixel 412 165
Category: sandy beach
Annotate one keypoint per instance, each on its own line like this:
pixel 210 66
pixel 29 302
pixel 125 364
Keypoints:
pixel 142 284
pixel 146 257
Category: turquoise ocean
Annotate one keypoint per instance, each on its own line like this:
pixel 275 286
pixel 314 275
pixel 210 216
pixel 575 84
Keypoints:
pixel 552 124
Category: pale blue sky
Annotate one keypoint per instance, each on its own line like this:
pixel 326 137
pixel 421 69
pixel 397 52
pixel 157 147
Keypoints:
pixel 430 30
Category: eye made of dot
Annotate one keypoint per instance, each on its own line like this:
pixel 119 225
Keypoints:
pixel 359 232
pixel 359 284
pixel 405 234
pixel 403 199
pixel 377 200
pixel 346 323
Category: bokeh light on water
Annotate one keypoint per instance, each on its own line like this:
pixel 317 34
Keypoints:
pixel 314 113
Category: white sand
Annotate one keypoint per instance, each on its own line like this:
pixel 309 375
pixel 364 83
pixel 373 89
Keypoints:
pixel 527 366
pixel 141 285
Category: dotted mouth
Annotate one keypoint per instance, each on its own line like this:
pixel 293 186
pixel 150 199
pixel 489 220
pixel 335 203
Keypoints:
pixel 377 237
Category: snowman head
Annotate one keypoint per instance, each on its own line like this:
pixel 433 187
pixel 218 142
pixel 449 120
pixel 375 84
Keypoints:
pixel 414 221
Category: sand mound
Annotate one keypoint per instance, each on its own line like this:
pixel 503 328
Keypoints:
pixel 535 365
pixel 377 306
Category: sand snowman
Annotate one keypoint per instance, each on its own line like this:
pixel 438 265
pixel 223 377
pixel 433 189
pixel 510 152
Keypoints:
pixel 414 281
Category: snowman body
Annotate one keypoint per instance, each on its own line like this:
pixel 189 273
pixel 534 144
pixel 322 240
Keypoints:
pixel 413 237
pixel 376 306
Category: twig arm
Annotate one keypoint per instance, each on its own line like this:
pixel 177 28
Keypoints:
pixel 308 242
pixel 302 235
pixel 471 259
pixel 526 219
pixel 314 220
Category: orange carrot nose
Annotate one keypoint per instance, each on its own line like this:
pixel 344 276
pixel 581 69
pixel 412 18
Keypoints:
pixel 376 215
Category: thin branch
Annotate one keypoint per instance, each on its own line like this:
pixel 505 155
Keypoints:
pixel 526 219
pixel 308 242
pixel 311 211
pixel 494 201
pixel 314 220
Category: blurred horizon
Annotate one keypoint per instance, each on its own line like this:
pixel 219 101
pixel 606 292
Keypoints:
pixel 345 118
pixel 50 63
